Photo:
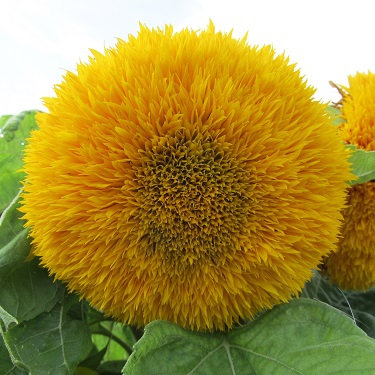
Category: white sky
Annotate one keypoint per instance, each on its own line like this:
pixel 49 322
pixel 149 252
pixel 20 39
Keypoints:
pixel 41 39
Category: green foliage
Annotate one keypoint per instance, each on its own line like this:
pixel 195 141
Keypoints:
pixel 14 242
pixel 37 334
pixel 27 290
pixel 14 130
pixel 51 343
pixel 336 115
pixel 6 364
pixel 111 337
pixel 360 306
pixel 302 337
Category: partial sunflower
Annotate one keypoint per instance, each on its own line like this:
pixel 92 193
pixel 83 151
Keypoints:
pixel 353 265
pixel 184 176
pixel 358 109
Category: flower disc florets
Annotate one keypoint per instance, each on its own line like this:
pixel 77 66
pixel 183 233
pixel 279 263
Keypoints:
pixel 184 176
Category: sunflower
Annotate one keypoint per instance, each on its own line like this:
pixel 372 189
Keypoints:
pixel 353 266
pixel 184 176
pixel 359 111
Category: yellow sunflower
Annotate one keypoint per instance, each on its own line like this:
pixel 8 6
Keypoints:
pixel 359 111
pixel 353 266
pixel 184 176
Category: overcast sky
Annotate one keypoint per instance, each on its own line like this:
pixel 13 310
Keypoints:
pixel 41 39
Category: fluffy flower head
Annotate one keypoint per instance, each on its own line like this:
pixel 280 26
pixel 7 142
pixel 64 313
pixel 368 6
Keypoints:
pixel 184 176
pixel 353 265
pixel 358 109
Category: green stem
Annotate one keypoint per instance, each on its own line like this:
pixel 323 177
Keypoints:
pixel 103 331
pixel 101 320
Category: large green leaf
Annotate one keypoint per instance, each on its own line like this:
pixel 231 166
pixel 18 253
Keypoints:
pixel 6 365
pixel 303 337
pixel 51 344
pixel 26 289
pixel 13 133
pixel 14 241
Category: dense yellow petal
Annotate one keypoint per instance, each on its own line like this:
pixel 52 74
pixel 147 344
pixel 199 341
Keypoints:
pixel 184 176
pixel 353 265
pixel 358 109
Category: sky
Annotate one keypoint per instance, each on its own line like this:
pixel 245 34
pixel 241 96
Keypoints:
pixel 41 39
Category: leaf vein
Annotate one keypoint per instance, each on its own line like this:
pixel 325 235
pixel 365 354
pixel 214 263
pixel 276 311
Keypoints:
pixel 209 354
pixel 266 357
pixel 61 337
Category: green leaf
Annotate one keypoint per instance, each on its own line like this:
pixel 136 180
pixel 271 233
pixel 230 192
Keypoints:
pixel 358 305
pixel 303 337
pixel 113 368
pixel 320 288
pixel 335 113
pixel 110 334
pixel 26 289
pixel 50 344
pixel 363 165
pixel 94 359
pixel 85 371
pixel 7 318
pixel 363 301
pixel 13 133
pixel 4 119
pixel 14 241
pixel 6 365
